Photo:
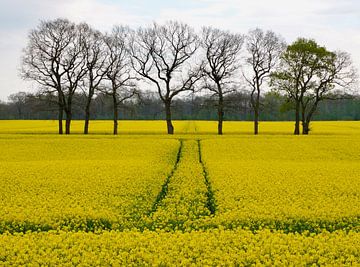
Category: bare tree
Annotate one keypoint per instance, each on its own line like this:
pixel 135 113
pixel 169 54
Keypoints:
pixel 19 100
pixel 221 50
pixel 75 66
pixel 160 55
pixel 119 72
pixel 43 58
pixel 264 50
pixel 54 59
pixel 97 65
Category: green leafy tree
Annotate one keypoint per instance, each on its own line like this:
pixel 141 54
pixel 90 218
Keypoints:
pixel 309 74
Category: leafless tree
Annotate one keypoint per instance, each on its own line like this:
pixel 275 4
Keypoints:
pixel 160 54
pixel 75 66
pixel 43 58
pixel 222 60
pixel 97 65
pixel 54 59
pixel 120 73
pixel 19 100
pixel 264 50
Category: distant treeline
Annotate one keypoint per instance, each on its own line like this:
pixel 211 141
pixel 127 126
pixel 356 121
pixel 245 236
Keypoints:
pixel 148 106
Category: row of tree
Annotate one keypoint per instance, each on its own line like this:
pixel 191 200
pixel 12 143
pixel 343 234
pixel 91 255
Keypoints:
pixel 148 106
pixel 69 59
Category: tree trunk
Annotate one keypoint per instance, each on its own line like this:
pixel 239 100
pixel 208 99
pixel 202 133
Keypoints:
pixel 87 117
pixel 256 113
pixel 256 106
pixel 115 115
pixel 170 127
pixel 220 114
pixel 256 122
pixel 305 126
pixel 306 119
pixel 60 119
pixel 68 122
pixel 61 113
pixel 297 118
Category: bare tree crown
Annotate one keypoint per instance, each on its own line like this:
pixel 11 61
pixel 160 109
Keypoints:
pixel 159 55
pixel 222 53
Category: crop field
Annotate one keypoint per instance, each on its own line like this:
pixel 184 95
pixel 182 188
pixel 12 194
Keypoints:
pixel 194 198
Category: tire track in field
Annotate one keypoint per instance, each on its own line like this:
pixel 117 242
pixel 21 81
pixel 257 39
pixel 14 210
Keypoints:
pixel 186 197
pixel 211 201
pixel 164 188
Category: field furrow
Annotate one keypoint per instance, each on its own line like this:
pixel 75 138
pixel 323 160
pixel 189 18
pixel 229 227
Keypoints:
pixel 165 187
pixel 186 197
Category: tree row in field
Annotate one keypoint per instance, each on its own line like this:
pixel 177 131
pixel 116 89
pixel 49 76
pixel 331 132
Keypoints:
pixel 34 106
pixel 69 60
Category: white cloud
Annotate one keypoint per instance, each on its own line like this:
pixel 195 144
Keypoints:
pixel 332 23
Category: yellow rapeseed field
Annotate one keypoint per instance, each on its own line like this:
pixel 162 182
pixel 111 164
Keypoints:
pixel 194 198
pixel 186 200
pixel 80 184
pixel 181 127
pixel 289 183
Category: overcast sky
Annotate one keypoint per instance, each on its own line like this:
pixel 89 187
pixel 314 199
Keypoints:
pixel 333 23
